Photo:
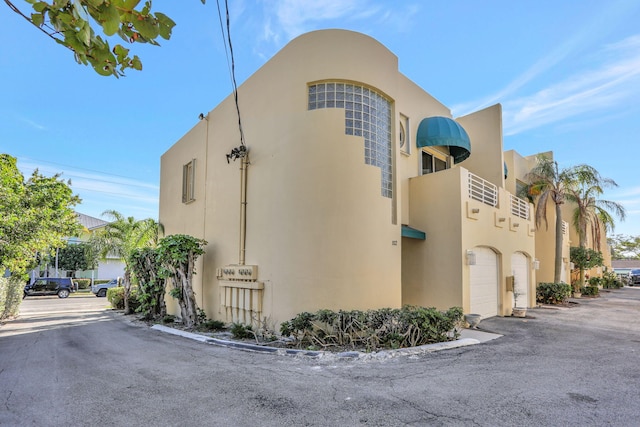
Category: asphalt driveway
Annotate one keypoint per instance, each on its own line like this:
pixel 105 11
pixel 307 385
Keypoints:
pixel 72 366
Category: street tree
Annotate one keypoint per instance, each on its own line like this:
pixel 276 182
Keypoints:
pixel 121 237
pixel 76 24
pixel 177 255
pixel 624 247
pixel 591 216
pixel 36 216
pixel 77 256
pixel 547 182
pixel 145 268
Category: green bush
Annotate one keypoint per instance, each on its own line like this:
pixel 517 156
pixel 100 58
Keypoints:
pixel 240 331
pixel 168 318
pixel 116 297
pixel 211 325
pixel 611 281
pixel 553 293
pixel 11 291
pixel 373 329
pixel 590 290
pixel 82 283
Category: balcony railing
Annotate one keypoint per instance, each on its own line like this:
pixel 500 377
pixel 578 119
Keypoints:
pixel 482 190
pixel 519 207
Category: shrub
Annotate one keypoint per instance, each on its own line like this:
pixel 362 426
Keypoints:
pixel 590 290
pixel 553 293
pixel 373 329
pixel 240 331
pixel 211 325
pixel 11 291
pixel 594 281
pixel 83 283
pixel 116 297
pixel 168 318
pixel 611 281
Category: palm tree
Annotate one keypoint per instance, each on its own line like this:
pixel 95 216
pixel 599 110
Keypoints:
pixel 121 237
pixel 548 182
pixel 592 213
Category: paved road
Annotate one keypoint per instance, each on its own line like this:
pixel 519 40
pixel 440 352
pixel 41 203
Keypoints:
pixel 71 363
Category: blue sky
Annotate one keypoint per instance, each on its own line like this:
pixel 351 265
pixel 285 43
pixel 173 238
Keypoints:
pixel 567 74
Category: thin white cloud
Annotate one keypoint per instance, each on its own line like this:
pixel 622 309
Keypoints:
pixel 284 20
pixel 607 85
pixel 32 123
pixel 299 16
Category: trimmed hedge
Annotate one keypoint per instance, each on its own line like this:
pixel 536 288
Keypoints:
pixel 374 329
pixel 553 293
pixel 116 297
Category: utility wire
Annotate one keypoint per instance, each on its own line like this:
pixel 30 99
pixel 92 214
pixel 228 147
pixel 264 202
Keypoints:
pixel 233 67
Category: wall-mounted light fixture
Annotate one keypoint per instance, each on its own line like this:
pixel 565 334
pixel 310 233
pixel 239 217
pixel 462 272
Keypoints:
pixel 201 116
pixel 471 257
pixel 536 264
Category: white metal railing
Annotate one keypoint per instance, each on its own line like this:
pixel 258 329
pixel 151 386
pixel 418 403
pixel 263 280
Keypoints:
pixel 482 190
pixel 519 207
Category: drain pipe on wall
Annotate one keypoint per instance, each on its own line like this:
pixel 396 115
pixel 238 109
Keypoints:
pixel 242 153
pixel 244 165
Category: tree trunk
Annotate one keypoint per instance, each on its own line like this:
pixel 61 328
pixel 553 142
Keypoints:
pixel 583 244
pixel 127 291
pixel 559 239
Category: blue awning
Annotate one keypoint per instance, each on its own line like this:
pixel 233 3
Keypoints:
pixel 443 131
pixel 412 233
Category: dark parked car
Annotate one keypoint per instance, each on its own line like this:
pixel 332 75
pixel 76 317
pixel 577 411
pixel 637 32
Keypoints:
pixel 61 286
pixel 635 277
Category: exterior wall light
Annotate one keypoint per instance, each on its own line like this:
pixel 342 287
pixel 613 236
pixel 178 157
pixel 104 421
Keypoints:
pixel 471 257
pixel 536 264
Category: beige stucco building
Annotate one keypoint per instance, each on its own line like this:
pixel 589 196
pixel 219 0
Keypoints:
pixel 359 191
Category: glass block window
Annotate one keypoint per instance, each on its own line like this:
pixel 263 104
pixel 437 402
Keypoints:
pixel 367 113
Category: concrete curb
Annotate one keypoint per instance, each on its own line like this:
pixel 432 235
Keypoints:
pixel 352 355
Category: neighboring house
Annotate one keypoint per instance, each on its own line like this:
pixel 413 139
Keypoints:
pixel 362 192
pixel 108 268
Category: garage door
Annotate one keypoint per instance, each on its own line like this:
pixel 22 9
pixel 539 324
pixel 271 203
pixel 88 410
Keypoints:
pixel 484 283
pixel 520 267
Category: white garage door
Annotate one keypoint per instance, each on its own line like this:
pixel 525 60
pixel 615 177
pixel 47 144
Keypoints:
pixel 484 283
pixel 520 267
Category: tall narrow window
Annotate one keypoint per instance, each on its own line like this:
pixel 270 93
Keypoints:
pixel 188 181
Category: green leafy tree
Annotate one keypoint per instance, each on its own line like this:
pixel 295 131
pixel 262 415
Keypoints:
pixel 75 24
pixel 177 255
pixel 624 247
pixel 591 213
pixel 145 267
pixel 36 216
pixel 584 259
pixel 547 182
pixel 121 237
pixel 76 257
